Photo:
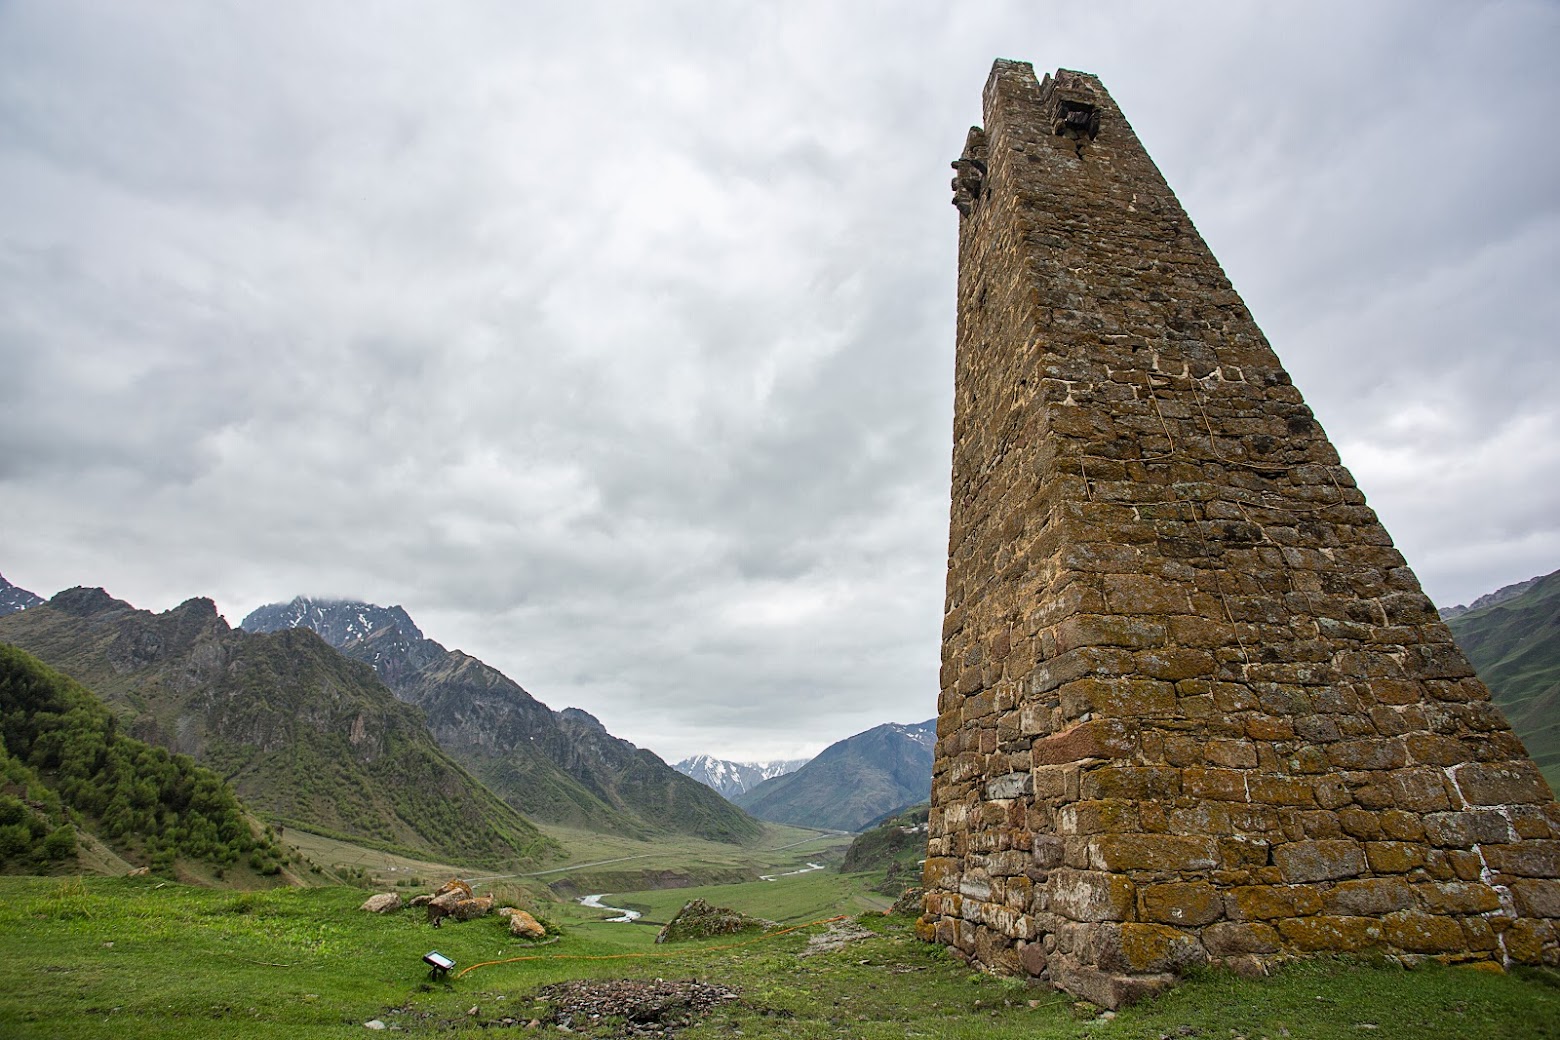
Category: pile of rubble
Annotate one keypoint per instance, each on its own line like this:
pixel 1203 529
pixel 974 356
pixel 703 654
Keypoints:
pixel 647 1008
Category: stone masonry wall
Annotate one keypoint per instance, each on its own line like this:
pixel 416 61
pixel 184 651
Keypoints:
pixel 1195 707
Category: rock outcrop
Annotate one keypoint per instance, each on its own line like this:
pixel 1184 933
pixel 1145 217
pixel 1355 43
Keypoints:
pixel 700 920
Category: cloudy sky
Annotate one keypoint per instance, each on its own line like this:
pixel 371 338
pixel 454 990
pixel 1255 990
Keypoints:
pixel 614 341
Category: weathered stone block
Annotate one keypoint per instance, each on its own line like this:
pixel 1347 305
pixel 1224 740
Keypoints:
pixel 1183 904
pixel 1088 895
pixel 940 872
pixel 1419 932
pixel 1075 664
pixel 1280 790
pixel 1117 696
pixel 1152 852
pixel 1322 860
pixel 1096 738
pixel 1104 816
pixel 1332 934
pixel 1369 897
pixel 1174 663
pixel 1118 781
pixel 1524 940
pixel 1223 784
pixel 1536 897
pixel 1393 857
pixel 1269 902
pixel 1152 948
pixel 1458 897
pixel 1108 630
pixel 1508 783
pixel 1009 863
pixel 1367 754
pixel 1057 783
pixel 1108 989
pixel 1449 829
pixel 1534 859
pixel 1234 938
pixel 1009 785
pixel 1233 754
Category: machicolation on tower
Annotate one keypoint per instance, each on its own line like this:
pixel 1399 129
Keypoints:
pixel 1195 707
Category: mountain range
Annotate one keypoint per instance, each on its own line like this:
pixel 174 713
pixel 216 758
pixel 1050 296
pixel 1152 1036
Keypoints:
pixel 1512 639
pixel 344 716
pixel 557 766
pixel 1489 599
pixel 733 778
pixel 853 781
pixel 302 733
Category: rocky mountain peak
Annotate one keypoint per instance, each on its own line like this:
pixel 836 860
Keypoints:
pixel 14 598
pixel 733 778
pixel 338 621
pixel 584 718
pixel 84 602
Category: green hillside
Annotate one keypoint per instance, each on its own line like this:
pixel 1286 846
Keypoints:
pixel 1514 644
pixel 304 735
pixel 63 761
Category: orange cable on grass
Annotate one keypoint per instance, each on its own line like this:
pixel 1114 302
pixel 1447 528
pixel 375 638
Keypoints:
pixel 632 956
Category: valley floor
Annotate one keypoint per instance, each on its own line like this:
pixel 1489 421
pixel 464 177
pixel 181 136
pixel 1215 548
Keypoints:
pixel 124 958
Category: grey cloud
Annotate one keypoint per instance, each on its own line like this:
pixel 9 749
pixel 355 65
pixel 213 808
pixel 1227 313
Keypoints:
pixel 616 344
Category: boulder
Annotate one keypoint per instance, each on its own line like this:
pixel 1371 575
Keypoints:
pixel 383 903
pixel 454 885
pixel 469 909
pixel 524 926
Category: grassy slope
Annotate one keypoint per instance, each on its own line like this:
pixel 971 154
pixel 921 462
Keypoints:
pixel 122 959
pixel 1515 647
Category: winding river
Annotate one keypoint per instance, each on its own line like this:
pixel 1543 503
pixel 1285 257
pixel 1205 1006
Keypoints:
pixel 628 916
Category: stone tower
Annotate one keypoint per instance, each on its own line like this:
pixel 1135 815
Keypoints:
pixel 1195 707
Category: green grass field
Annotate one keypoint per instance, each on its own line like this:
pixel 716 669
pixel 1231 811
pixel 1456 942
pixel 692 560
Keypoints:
pixel 785 900
pixel 125 958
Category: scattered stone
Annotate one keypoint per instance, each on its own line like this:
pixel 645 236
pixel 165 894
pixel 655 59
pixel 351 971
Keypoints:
pixel 910 902
pixel 383 903
pixel 456 901
pixel 374 1024
pixel 140 872
pixel 699 920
